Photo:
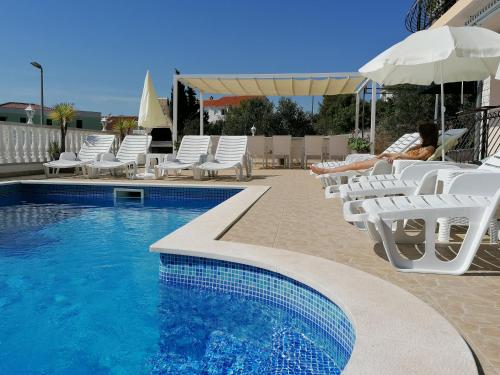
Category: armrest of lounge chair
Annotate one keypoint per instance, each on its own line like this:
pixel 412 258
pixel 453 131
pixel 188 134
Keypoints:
pixel 352 158
pixel 203 158
pixel 108 156
pixel 67 156
pixel 382 167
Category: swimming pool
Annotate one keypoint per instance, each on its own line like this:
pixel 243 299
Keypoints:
pixel 79 292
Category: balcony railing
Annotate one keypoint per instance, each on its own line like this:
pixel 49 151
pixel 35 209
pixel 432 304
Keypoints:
pixel 483 134
pixel 424 12
pixel 23 143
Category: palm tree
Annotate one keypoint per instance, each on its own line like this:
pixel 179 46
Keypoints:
pixel 123 126
pixel 63 113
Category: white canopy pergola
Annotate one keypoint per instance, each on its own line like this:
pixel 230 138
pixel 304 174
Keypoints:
pixel 301 84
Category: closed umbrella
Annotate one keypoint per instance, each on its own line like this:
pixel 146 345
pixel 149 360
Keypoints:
pixel 440 55
pixel 150 115
pixel 150 112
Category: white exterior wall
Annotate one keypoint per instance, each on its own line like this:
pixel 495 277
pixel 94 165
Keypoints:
pixel 214 114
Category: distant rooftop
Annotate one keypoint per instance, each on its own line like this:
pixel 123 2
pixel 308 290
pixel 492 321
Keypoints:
pixel 20 105
pixel 226 101
pixel 36 107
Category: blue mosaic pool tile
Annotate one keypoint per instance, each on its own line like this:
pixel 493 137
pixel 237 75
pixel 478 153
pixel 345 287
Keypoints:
pixel 329 320
pixel 10 194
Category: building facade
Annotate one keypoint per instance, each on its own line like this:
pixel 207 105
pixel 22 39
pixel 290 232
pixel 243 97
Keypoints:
pixel 435 13
pixel 216 108
pixel 16 112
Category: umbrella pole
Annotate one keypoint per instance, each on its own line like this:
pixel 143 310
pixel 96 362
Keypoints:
pixel 443 109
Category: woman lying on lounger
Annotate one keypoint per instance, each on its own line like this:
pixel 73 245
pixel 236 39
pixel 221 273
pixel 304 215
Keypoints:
pixel 428 134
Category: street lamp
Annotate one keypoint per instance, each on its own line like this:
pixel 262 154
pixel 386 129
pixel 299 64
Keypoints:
pixel 38 66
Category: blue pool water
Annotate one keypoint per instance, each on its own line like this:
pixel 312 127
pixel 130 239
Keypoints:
pixel 80 294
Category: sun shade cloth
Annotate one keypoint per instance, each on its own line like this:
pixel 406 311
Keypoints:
pixel 150 113
pixel 277 85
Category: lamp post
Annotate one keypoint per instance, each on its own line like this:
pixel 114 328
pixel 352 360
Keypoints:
pixel 253 129
pixel 104 122
pixel 29 113
pixel 38 66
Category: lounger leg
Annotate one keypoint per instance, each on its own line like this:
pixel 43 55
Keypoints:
pixel 429 262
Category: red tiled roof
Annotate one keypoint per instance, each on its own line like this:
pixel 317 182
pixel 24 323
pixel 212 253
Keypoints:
pixel 226 101
pixel 19 105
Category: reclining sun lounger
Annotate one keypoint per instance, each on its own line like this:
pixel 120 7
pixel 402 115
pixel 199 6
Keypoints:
pixel 465 198
pixel 231 153
pixel 383 170
pixel 402 144
pixel 193 151
pixel 415 179
pixel 126 158
pixel 92 148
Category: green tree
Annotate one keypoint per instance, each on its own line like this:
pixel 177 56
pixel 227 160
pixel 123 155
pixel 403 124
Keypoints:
pixel 188 107
pixel 291 119
pixel 256 112
pixel 123 126
pixel 63 113
pixel 336 115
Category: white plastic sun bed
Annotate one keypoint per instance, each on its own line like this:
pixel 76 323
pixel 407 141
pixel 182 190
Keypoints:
pixel 384 170
pixel 92 148
pixel 418 178
pixel 465 198
pixel 126 158
pixel 402 144
pixel 193 151
pixel 231 154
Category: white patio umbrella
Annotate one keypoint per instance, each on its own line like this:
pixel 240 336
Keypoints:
pixel 440 55
pixel 150 116
pixel 150 112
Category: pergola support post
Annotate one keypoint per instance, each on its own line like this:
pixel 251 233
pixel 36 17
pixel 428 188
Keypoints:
pixel 356 120
pixel 201 112
pixel 373 116
pixel 175 114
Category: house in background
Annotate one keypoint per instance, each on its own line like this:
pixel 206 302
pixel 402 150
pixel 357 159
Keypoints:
pixel 485 13
pixel 217 108
pixel 16 112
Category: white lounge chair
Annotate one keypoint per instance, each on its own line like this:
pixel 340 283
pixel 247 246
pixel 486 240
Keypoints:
pixel 126 158
pixel 231 153
pixel 92 148
pixel 193 151
pixel 416 179
pixel 477 202
pixel 451 138
pixel 402 144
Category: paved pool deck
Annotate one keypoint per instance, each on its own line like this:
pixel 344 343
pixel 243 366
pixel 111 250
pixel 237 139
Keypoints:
pixel 294 215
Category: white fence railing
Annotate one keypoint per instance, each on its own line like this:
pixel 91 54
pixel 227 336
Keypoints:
pixel 22 143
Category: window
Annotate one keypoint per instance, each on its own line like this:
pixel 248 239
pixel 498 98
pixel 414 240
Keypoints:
pixel 3 118
pixel 48 121
pixel 222 112
pixel 22 120
pixel 79 124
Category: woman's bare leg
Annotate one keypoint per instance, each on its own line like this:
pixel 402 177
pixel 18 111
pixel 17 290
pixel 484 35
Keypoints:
pixel 359 165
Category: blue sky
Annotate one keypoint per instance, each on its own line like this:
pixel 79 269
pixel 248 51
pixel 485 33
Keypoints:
pixel 96 53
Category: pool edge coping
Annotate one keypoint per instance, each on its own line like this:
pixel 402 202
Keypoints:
pixel 395 331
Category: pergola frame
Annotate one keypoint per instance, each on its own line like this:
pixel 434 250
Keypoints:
pixel 285 76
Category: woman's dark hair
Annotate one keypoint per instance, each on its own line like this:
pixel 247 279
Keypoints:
pixel 429 134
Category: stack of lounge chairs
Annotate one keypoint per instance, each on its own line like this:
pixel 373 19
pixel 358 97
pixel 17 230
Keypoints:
pixel 387 206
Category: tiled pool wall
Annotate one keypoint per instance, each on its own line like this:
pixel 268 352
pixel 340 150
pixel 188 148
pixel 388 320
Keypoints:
pixel 328 319
pixel 11 193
